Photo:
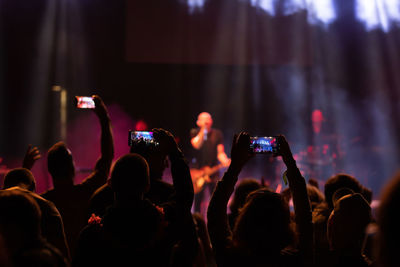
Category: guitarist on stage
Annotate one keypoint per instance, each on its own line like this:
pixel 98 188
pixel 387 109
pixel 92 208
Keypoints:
pixel 210 157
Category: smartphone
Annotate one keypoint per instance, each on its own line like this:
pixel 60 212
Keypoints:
pixel 264 145
pixel 85 102
pixel 141 136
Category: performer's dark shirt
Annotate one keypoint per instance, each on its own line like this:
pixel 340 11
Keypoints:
pixel 207 154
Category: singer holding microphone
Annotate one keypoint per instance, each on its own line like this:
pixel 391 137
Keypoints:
pixel 209 158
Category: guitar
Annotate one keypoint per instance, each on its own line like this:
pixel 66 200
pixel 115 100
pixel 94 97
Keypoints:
pixel 202 176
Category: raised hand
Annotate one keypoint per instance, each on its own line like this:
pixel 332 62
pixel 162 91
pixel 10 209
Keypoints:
pixel 166 140
pixel 103 164
pixel 31 156
pixel 240 152
pixel 100 108
pixel 284 150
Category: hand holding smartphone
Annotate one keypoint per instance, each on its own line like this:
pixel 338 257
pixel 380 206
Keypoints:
pixel 142 136
pixel 264 145
pixel 85 102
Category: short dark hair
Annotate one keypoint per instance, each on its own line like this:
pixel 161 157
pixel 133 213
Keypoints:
pixel 59 161
pixel 339 181
pixel 313 182
pixel 20 177
pixel 130 174
pixel 348 220
pixel 315 195
pixel 243 189
pixel 263 224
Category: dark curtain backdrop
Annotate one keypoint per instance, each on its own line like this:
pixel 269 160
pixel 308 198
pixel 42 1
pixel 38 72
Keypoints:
pixel 159 62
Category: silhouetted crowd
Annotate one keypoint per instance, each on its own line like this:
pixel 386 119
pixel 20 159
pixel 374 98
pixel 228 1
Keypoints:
pixel 124 214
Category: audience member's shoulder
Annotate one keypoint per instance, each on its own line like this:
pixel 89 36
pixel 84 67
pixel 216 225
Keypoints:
pixel 46 205
pixel 16 188
pixel 39 199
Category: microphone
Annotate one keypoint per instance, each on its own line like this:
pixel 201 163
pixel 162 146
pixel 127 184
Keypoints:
pixel 205 134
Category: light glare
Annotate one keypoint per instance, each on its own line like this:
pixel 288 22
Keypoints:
pixel 195 5
pixel 372 13
pixel 378 13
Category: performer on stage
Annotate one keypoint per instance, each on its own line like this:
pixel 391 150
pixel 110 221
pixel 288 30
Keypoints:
pixel 321 156
pixel 210 156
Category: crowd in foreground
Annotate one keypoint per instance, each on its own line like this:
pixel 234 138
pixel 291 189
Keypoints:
pixel 126 215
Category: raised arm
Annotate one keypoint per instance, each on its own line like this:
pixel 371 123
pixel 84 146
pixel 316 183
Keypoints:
pixel 302 208
pixel 182 223
pixel 103 164
pixel 217 219
pixel 179 168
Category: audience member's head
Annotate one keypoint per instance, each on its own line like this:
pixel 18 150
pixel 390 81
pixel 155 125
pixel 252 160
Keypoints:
pixel 339 181
pixel 341 192
pixel 155 158
pixel 243 189
pixel 315 195
pixel 389 221
pixel 130 176
pixel 19 220
pixel 347 223
pixel 263 225
pixel 313 182
pixel 20 177
pixel 59 162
